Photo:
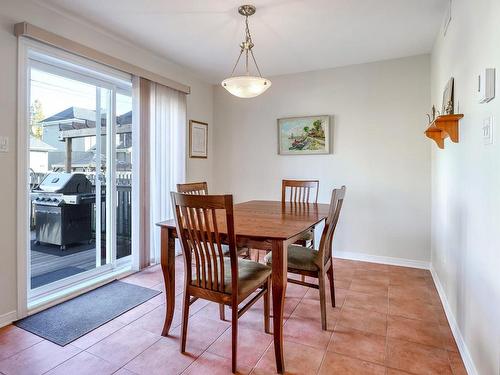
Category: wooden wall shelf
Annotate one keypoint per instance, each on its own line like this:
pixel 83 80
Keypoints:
pixel 443 127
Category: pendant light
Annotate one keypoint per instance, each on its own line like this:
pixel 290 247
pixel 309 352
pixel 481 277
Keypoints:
pixel 246 86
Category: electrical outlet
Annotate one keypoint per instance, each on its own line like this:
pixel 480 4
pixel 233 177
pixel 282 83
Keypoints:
pixel 488 130
pixel 4 144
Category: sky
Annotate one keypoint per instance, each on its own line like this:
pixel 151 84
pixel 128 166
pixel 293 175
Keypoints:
pixel 57 93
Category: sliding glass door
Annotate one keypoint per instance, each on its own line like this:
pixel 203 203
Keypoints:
pixel 80 172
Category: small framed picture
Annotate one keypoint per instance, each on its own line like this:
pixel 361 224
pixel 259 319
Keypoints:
pixel 304 135
pixel 198 139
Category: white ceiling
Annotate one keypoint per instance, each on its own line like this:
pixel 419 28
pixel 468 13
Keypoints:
pixel 290 36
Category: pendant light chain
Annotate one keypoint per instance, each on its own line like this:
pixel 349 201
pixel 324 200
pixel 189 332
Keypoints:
pixel 248 40
pixel 250 44
pixel 246 47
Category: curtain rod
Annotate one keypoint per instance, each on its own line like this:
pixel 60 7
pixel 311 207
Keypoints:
pixel 28 30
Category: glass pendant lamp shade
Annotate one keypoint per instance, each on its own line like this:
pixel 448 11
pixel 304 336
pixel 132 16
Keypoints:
pixel 246 86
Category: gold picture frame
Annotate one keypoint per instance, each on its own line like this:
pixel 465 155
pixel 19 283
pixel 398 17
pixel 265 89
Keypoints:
pixel 306 135
pixel 198 139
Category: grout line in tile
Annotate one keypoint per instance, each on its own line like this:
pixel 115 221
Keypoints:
pixel 272 341
pixel 126 363
pixel 105 337
pixel 59 364
pixel 324 354
pixel 203 352
pixel 412 341
pixel 32 345
pixel 141 352
pixel 97 355
pixel 359 359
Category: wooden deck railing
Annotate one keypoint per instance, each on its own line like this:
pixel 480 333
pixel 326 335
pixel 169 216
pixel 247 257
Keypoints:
pixel 124 202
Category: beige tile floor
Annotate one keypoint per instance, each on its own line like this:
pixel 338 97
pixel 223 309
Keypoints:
pixel 388 320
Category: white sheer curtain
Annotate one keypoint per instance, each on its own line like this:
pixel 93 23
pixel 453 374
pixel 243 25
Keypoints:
pixel 167 157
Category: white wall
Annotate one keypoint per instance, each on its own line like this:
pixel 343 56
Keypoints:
pixel 466 185
pixel 379 150
pixel 13 11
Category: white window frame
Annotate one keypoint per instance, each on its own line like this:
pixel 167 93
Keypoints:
pixel 63 63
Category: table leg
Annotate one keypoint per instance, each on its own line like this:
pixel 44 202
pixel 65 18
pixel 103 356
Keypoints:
pixel 168 270
pixel 279 279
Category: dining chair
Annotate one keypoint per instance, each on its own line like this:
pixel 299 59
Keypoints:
pixel 299 191
pixel 226 280
pixel 196 188
pixel 201 188
pixel 305 261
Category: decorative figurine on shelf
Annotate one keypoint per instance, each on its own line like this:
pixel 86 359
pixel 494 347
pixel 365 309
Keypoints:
pixel 431 117
pixel 448 98
pixel 448 109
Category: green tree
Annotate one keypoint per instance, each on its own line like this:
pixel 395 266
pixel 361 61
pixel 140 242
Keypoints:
pixel 36 112
pixel 306 129
pixel 317 125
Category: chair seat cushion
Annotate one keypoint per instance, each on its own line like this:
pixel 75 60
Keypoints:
pixel 299 258
pixel 239 250
pixel 250 275
pixel 307 236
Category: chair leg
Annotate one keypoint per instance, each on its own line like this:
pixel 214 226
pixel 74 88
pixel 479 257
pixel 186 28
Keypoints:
pixel 234 332
pixel 257 258
pixel 185 319
pixel 332 286
pixel 322 299
pixel 267 306
pixel 222 313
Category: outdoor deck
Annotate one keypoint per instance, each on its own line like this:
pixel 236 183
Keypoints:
pixel 49 263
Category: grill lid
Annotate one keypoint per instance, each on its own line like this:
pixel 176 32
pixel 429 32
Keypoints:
pixel 65 183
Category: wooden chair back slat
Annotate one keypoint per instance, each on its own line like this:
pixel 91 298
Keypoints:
pixel 214 281
pixel 220 253
pixel 299 191
pixel 325 245
pixel 194 188
pixel 198 232
pixel 196 222
pixel 186 223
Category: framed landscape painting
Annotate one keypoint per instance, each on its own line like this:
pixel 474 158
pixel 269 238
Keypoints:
pixel 304 135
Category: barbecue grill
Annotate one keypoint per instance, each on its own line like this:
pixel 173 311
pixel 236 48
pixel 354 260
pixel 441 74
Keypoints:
pixel 63 206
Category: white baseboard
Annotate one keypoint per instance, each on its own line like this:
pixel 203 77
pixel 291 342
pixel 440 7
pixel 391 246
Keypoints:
pixel 8 318
pixel 382 259
pixel 462 346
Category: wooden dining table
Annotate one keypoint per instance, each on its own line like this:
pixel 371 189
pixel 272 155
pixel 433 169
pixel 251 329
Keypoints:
pixel 263 225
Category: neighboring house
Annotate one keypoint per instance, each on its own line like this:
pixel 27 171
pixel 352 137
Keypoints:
pixel 83 148
pixel 39 155
pixel 70 118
